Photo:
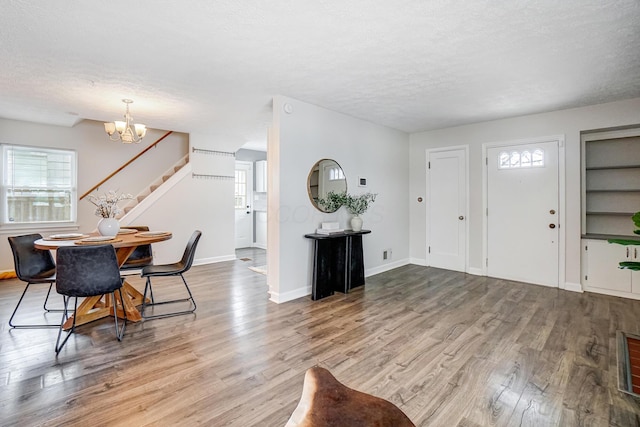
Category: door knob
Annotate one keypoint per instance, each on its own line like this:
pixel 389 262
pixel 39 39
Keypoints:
pixel 552 226
pixel 460 217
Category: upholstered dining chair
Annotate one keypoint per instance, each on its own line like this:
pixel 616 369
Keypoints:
pixel 141 256
pixel 175 269
pixel 34 266
pixel 86 271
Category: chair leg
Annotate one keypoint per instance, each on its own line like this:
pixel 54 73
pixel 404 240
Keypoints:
pixel 65 316
pixel 15 310
pixel 147 287
pixel 150 290
pixel 175 313
pixel 120 333
pixel 50 310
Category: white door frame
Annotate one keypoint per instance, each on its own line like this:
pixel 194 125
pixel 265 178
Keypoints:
pixel 465 148
pixel 561 196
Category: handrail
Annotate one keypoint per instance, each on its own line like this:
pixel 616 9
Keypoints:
pixel 125 165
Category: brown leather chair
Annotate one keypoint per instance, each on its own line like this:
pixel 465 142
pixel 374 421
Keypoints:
pixel 326 402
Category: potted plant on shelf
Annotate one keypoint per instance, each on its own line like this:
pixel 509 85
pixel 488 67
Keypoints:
pixel 631 265
pixel 355 204
pixel 107 209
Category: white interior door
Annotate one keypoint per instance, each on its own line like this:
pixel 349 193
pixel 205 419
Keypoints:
pixel 243 204
pixel 522 213
pixel 447 209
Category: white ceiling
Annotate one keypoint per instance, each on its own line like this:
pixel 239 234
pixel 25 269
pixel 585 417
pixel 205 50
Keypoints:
pixel 213 66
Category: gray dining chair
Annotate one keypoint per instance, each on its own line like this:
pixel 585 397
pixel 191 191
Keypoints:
pixel 175 269
pixel 86 271
pixel 34 266
pixel 141 256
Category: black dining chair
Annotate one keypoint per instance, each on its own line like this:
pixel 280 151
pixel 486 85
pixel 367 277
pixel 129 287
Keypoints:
pixel 175 269
pixel 34 266
pixel 141 256
pixel 86 271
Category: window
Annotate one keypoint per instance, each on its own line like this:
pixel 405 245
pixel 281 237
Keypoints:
pixel 241 189
pixel 521 159
pixel 335 174
pixel 38 185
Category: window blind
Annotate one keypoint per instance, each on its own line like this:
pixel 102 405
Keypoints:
pixel 38 185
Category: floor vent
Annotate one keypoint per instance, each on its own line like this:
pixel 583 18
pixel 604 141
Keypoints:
pixel 628 363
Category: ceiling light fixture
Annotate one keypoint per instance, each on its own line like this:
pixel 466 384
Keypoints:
pixel 125 133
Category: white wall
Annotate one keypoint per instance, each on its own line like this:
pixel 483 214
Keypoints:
pixel 565 122
pixel 301 138
pixel 191 204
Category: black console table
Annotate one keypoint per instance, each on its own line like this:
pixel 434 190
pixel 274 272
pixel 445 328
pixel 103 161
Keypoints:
pixel 338 263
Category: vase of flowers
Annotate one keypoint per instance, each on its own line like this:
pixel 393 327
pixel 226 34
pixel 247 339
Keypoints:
pixel 107 209
pixel 108 226
pixel 355 204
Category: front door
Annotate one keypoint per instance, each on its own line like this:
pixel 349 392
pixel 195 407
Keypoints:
pixel 522 213
pixel 243 203
pixel 447 209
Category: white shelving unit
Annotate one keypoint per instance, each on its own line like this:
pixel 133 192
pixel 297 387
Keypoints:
pixel 610 196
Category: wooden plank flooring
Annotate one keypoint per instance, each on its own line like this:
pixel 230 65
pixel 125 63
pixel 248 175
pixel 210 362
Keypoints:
pixel 449 349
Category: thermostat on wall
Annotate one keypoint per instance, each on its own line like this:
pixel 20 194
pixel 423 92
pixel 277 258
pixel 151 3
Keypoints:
pixel 362 182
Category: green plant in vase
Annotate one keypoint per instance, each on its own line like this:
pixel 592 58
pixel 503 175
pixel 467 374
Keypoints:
pixel 355 204
pixel 631 265
pixel 333 201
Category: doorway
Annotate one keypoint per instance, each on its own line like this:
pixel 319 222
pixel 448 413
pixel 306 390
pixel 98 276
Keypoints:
pixel 523 211
pixel 243 204
pixel 447 208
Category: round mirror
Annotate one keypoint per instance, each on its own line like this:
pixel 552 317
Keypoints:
pixel 325 176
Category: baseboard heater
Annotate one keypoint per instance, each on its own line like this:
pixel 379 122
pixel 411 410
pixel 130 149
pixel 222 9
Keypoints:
pixel 628 363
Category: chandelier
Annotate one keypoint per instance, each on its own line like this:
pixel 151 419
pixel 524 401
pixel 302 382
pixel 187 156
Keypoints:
pixel 123 129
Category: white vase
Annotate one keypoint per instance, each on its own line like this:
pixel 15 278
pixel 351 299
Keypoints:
pixel 356 223
pixel 108 226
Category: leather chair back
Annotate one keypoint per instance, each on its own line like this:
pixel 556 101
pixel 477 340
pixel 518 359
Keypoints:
pixel 87 270
pixel 31 264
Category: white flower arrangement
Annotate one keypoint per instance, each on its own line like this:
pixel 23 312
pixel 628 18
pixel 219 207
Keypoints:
pixel 107 204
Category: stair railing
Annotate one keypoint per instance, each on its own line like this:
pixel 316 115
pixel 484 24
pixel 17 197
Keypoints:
pixel 133 159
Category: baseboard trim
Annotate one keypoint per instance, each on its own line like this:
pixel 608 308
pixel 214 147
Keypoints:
pixel 613 293
pixel 418 261
pixel 259 246
pixel 476 271
pixel 386 267
pixel 573 287
pixel 279 298
pixel 213 260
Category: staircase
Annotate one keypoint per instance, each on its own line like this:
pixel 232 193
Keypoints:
pixel 158 187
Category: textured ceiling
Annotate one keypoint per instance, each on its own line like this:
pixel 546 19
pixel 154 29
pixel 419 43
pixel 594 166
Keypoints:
pixel 213 66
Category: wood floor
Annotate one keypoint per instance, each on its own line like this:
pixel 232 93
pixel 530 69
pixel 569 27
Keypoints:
pixel 449 349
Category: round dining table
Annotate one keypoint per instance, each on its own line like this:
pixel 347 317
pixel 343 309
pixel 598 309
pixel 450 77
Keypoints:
pixel 98 307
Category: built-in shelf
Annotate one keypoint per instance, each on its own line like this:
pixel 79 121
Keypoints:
pixel 600 168
pixel 627 214
pixel 610 197
pixel 615 190
pixel 610 181
pixel 610 236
